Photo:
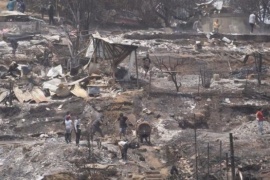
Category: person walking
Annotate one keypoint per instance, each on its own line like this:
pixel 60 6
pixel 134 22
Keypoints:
pixel 11 5
pixel 96 128
pixel 252 21
pixel 78 134
pixel 42 10
pixel 14 44
pixel 123 124
pixel 68 124
pixel 77 122
pixel 51 13
pixel 260 119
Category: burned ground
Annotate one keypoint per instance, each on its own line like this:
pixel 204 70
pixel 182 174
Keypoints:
pixel 32 134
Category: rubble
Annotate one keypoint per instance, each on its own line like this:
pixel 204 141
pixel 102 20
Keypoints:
pixel 109 79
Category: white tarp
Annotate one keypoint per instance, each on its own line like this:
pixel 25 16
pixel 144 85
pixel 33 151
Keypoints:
pixel 55 71
pixel 89 53
pixel 131 64
pixel 52 85
pixel 90 49
pixel 218 5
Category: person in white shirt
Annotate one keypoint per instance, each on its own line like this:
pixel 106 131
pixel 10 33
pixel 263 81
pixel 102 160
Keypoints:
pixel 68 124
pixel 197 26
pixel 123 146
pixel 252 21
pixel 76 122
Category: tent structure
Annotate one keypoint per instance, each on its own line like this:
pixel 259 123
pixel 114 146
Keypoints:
pixel 104 49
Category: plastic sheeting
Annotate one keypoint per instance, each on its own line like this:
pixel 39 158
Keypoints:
pixel 218 5
pixel 90 49
pixel 55 71
pixel 132 59
pixel 52 85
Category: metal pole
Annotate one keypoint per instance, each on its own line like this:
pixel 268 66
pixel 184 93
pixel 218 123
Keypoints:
pixel 220 160
pixel 199 85
pixel 259 68
pixel 227 166
pixel 137 73
pixel 10 92
pixel 208 162
pixel 196 157
pixel 232 156
pixel 150 81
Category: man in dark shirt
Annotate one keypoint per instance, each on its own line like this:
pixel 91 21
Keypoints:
pixel 14 44
pixel 78 134
pixel 96 128
pixel 51 13
pixel 123 124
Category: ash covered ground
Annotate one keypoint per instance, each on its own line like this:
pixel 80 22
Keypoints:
pixel 32 142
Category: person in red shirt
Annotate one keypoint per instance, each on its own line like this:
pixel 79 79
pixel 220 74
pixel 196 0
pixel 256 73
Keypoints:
pixel 260 119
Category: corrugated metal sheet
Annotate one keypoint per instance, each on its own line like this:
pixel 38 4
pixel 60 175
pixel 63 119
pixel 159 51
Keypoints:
pixel 22 96
pixel 38 95
pixel 3 95
pixel 79 92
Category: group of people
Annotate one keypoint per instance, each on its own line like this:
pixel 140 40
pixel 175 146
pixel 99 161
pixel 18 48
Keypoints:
pixel 20 6
pixel 95 127
pixel 69 128
pixel 11 5
pixel 50 10
pixel 197 25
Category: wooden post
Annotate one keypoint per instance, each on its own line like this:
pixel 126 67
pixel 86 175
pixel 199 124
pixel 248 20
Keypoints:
pixel 208 161
pixel 137 73
pixel 258 64
pixel 113 67
pixel 220 156
pixel 232 156
pixel 196 157
pixel 227 166
pixel 259 68
pixel 10 91
pixel 150 82
pixel 199 85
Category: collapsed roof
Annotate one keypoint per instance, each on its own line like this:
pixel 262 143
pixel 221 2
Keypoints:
pixel 13 16
pixel 106 49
